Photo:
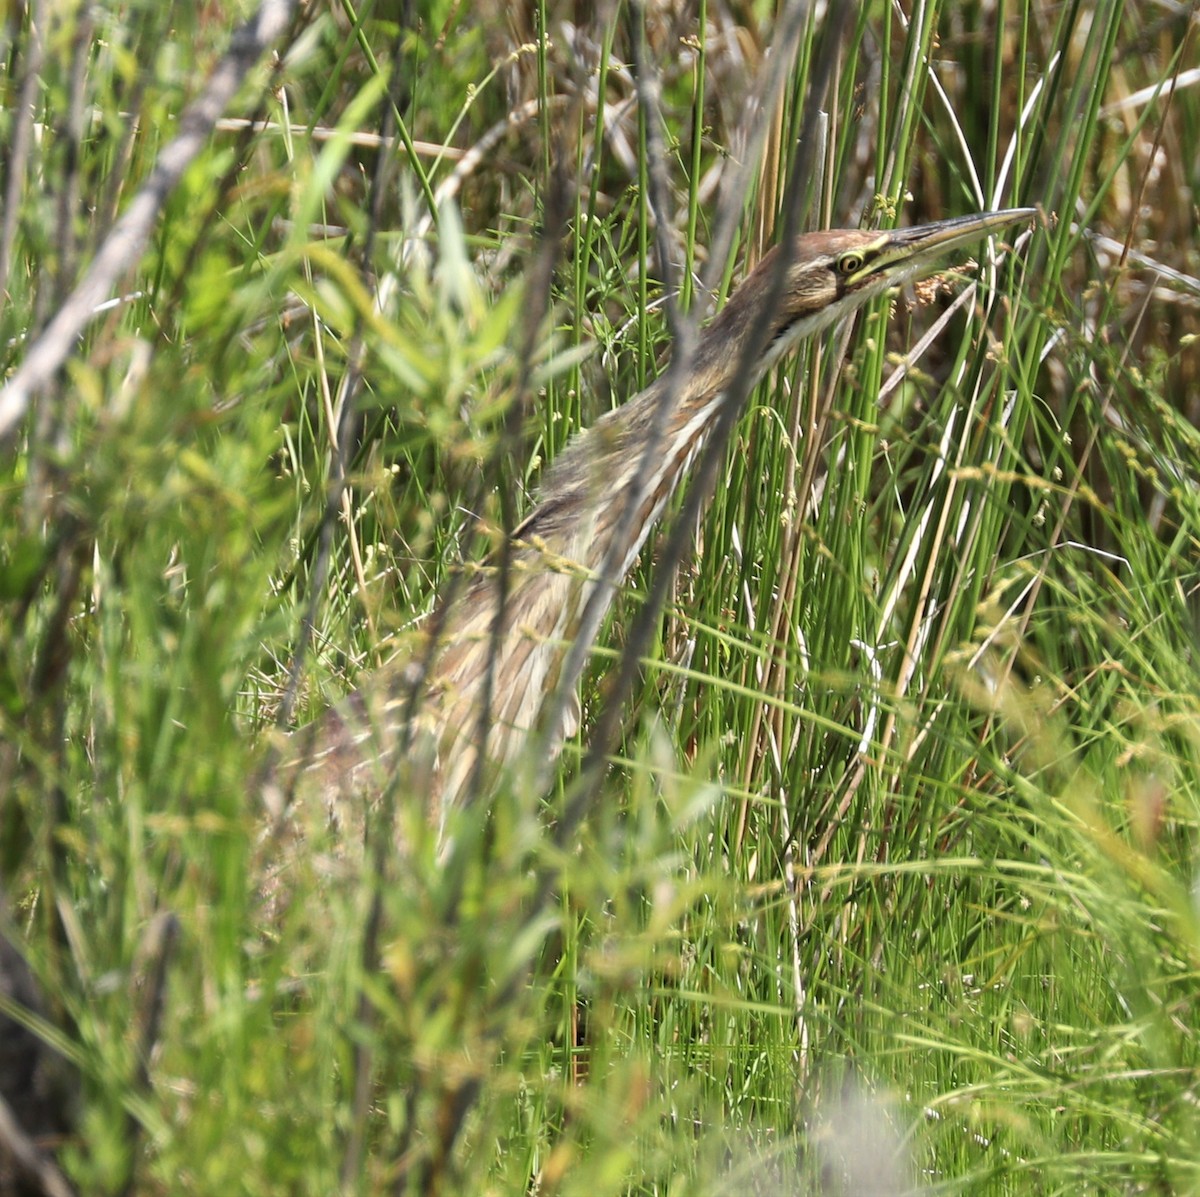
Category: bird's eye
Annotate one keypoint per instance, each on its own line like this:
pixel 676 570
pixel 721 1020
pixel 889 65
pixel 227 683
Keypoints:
pixel 850 263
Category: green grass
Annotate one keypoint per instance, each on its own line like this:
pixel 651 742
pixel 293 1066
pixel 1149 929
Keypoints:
pixel 895 864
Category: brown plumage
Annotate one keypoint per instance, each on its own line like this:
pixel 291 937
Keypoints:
pixel 578 525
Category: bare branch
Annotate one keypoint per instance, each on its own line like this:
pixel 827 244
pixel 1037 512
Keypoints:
pixel 124 245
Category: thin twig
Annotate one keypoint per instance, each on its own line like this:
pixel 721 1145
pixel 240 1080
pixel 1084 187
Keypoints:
pixel 676 543
pixel 22 136
pixel 683 334
pixel 35 1168
pixel 159 942
pixel 124 245
pixel 380 824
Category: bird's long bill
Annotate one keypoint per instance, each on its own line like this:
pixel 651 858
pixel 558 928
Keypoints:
pixel 924 242
pixel 833 273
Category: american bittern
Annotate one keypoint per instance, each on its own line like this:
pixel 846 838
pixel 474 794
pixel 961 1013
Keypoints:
pixel 580 527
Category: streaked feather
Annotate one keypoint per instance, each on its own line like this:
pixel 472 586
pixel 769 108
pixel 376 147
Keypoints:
pixel 554 562
pixel 578 527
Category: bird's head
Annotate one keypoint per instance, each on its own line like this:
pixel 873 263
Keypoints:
pixel 831 274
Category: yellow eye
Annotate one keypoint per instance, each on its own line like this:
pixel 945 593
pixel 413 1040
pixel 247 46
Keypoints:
pixel 850 263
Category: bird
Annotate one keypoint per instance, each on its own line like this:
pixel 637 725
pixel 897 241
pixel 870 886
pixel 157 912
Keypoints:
pixel 474 697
